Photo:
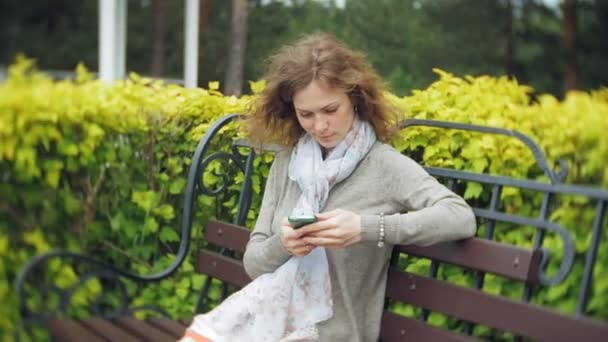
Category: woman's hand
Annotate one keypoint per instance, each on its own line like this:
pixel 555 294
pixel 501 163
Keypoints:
pixel 337 228
pixel 292 240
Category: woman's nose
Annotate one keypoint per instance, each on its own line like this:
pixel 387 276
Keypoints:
pixel 320 124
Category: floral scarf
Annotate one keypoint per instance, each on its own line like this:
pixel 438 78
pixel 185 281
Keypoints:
pixel 287 304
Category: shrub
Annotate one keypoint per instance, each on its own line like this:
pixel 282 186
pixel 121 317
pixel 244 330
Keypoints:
pixel 101 169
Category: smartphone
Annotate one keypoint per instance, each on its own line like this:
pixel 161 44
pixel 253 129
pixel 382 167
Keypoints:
pixel 300 221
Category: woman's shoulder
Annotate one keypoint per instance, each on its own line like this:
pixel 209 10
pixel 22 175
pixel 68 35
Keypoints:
pixel 391 163
pixel 383 154
pixel 282 155
pixel 281 159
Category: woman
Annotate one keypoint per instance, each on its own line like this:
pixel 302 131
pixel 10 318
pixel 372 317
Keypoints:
pixel 325 103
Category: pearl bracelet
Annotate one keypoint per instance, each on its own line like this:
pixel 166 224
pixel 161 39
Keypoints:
pixel 381 226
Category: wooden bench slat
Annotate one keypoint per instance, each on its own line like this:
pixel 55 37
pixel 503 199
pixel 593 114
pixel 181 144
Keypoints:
pixel 108 330
pixel 507 260
pixel 399 328
pixel 498 312
pixel 227 235
pixel 173 328
pixel 144 330
pixel 222 267
pixel 68 330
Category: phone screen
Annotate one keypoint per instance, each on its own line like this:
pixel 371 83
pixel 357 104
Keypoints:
pixel 300 221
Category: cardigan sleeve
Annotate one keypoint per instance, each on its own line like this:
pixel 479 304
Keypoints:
pixel 431 212
pixel 265 252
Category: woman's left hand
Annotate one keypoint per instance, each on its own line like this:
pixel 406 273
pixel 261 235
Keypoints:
pixel 337 228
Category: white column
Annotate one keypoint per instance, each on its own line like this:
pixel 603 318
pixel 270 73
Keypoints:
pixel 191 43
pixel 107 40
pixel 121 39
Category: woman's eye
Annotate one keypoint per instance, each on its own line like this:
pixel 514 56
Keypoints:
pixel 305 115
pixel 331 110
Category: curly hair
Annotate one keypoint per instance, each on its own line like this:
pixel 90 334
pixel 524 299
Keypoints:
pixel 321 57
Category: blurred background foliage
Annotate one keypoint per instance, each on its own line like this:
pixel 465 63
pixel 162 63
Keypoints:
pixel 404 39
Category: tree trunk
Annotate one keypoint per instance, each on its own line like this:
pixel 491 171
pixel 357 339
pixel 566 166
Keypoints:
pixel 203 25
pixel 571 69
pixel 233 83
pixel 159 30
pixel 526 9
pixel 203 22
pixel 509 53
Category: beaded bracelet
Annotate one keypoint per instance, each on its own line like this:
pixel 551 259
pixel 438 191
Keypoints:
pixel 381 237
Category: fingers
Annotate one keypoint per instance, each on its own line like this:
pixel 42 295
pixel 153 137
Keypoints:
pixel 323 241
pixel 303 250
pixel 330 242
pixel 337 228
pixel 316 227
pixel 299 247
pixel 326 220
pixel 328 214
pixel 293 243
pixel 329 220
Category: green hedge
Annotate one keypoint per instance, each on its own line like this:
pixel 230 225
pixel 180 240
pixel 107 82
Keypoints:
pixel 101 169
pixel 572 130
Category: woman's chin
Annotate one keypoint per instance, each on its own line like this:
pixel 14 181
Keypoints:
pixel 327 145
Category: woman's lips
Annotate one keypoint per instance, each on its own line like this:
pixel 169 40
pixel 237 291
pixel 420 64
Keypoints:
pixel 326 137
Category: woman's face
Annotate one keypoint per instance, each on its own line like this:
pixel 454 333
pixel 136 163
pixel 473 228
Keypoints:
pixel 324 112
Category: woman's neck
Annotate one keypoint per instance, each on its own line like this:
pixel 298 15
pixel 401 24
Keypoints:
pixel 325 151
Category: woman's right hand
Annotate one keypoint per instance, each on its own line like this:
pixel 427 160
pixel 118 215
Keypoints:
pixel 292 240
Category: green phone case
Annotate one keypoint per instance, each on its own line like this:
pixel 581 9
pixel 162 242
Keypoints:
pixel 300 221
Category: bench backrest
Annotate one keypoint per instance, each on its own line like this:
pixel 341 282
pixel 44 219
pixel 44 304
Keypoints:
pixel 424 295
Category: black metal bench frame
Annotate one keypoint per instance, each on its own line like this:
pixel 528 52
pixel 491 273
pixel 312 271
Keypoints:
pixel 225 243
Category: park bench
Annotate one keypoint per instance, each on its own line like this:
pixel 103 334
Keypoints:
pixel 469 307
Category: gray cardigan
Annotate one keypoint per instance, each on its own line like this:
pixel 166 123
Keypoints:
pixel 418 210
